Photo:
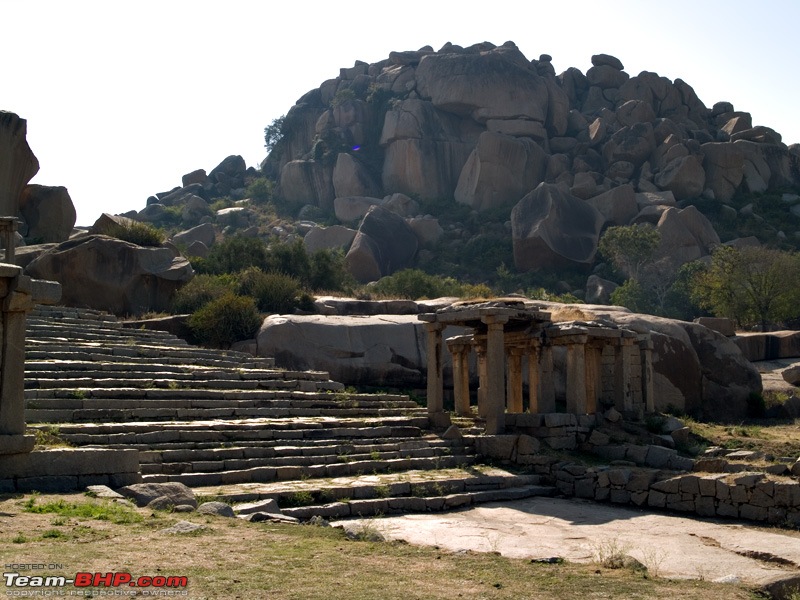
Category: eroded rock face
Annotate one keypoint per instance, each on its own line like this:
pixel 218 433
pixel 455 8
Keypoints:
pixel 358 350
pixel 100 272
pixel 384 244
pixel 551 227
pixel 48 211
pixel 686 235
pixel 500 171
pixel 17 162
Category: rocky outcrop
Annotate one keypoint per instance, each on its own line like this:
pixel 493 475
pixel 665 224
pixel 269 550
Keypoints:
pixel 551 227
pixel 48 211
pixel 359 350
pixel 99 272
pixel 686 235
pixel 384 243
pixel 17 162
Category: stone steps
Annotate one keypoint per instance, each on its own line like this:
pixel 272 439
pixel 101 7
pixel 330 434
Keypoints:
pixel 386 493
pixel 211 418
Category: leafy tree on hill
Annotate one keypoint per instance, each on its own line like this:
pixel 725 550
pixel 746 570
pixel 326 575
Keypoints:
pixel 753 286
pixel 630 248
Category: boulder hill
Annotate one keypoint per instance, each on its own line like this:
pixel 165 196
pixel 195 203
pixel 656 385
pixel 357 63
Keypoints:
pixel 487 128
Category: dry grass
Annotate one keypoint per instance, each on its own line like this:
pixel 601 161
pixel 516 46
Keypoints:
pixel 779 438
pixel 234 559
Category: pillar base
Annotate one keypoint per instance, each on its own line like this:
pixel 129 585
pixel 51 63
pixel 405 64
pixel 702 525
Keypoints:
pixel 16 444
pixel 439 419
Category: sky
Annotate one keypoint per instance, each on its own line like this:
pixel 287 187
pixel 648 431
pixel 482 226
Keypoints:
pixel 122 98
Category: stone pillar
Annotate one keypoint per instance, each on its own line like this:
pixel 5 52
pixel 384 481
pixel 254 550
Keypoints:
pixel 646 349
pixel 16 301
pixel 495 375
pixel 8 230
pixel 460 352
pixel 480 351
pixel 594 384
pixel 623 398
pixel 514 385
pixel 547 387
pixel 534 380
pixel 435 376
pixel 576 377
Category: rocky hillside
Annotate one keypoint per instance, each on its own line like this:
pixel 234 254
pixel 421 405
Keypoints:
pixel 515 151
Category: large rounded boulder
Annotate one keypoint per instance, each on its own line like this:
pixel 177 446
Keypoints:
pixel 552 228
pixel 100 272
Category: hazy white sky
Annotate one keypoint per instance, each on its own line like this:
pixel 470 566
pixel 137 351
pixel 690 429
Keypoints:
pixel 123 98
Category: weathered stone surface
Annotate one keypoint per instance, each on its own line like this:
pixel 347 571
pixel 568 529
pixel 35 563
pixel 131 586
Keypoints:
pixel 599 290
pixel 551 227
pixel 384 243
pixel 17 162
pixel 197 176
pixel 307 182
pixel 720 325
pixel 144 493
pixel 48 212
pixel 500 171
pixel 351 178
pixel 427 230
pixel 219 509
pixel 328 238
pixel 686 235
pixel 683 176
pixel 109 274
pixel 426 149
pixel 723 163
pixel 377 350
pixel 353 208
pixel 205 233
pixel 618 205
pixel 498 84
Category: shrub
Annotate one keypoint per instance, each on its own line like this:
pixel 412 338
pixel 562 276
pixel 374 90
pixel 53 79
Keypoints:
pixel 135 232
pixel 201 290
pixel 414 284
pixel 232 255
pixel 260 190
pixel 225 320
pixel 273 292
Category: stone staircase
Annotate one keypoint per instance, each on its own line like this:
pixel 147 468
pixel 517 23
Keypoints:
pixel 235 427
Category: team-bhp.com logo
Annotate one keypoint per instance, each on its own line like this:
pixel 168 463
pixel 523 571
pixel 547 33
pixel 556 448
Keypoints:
pixel 159 585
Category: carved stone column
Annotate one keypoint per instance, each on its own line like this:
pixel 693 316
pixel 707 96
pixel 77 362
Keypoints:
pixel 576 376
pixel 514 384
pixel 460 350
pixel 534 379
pixel 547 387
pixel 495 375
pixel 435 376
pixel 623 397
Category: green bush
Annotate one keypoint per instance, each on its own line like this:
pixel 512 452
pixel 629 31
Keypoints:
pixel 201 290
pixel 273 292
pixel 260 190
pixel 232 255
pixel 225 320
pixel 415 284
pixel 135 232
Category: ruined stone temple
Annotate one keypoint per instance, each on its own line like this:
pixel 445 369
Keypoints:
pixel 606 365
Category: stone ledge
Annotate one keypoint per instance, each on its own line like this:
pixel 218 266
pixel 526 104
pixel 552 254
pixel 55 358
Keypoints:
pixel 69 463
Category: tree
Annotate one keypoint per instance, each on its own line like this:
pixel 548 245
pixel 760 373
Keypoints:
pixel 630 247
pixel 274 133
pixel 753 286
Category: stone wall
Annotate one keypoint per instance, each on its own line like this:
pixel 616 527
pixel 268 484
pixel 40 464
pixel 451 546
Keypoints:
pixel 651 476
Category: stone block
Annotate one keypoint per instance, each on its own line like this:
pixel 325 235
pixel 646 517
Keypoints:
pixel 602 479
pixel 576 470
pixel 707 486
pixel 48 483
pixel 560 420
pixel 640 481
pixel 611 452
pixel 748 479
pixel 637 454
pixel 620 496
pixel 704 506
pixel 599 439
pixel 658 456
pixel 753 513
pixel 602 494
pixel 710 465
pixel 457 500
pixel 681 505
pixel 680 463
pixel 565 487
pixel 527 445
pixel 656 499
pixel 776 516
pixel 561 443
pixel 529 420
pixel 690 485
pixel 739 494
pixel 667 486
pixel 585 488
pixel 760 498
pixel 587 421
pixel 726 509
pixel 434 504
pixel 500 447
pixel 619 477
pixel 639 498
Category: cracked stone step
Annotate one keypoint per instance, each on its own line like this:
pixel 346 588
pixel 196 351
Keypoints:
pixel 295 472
pixel 475 478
